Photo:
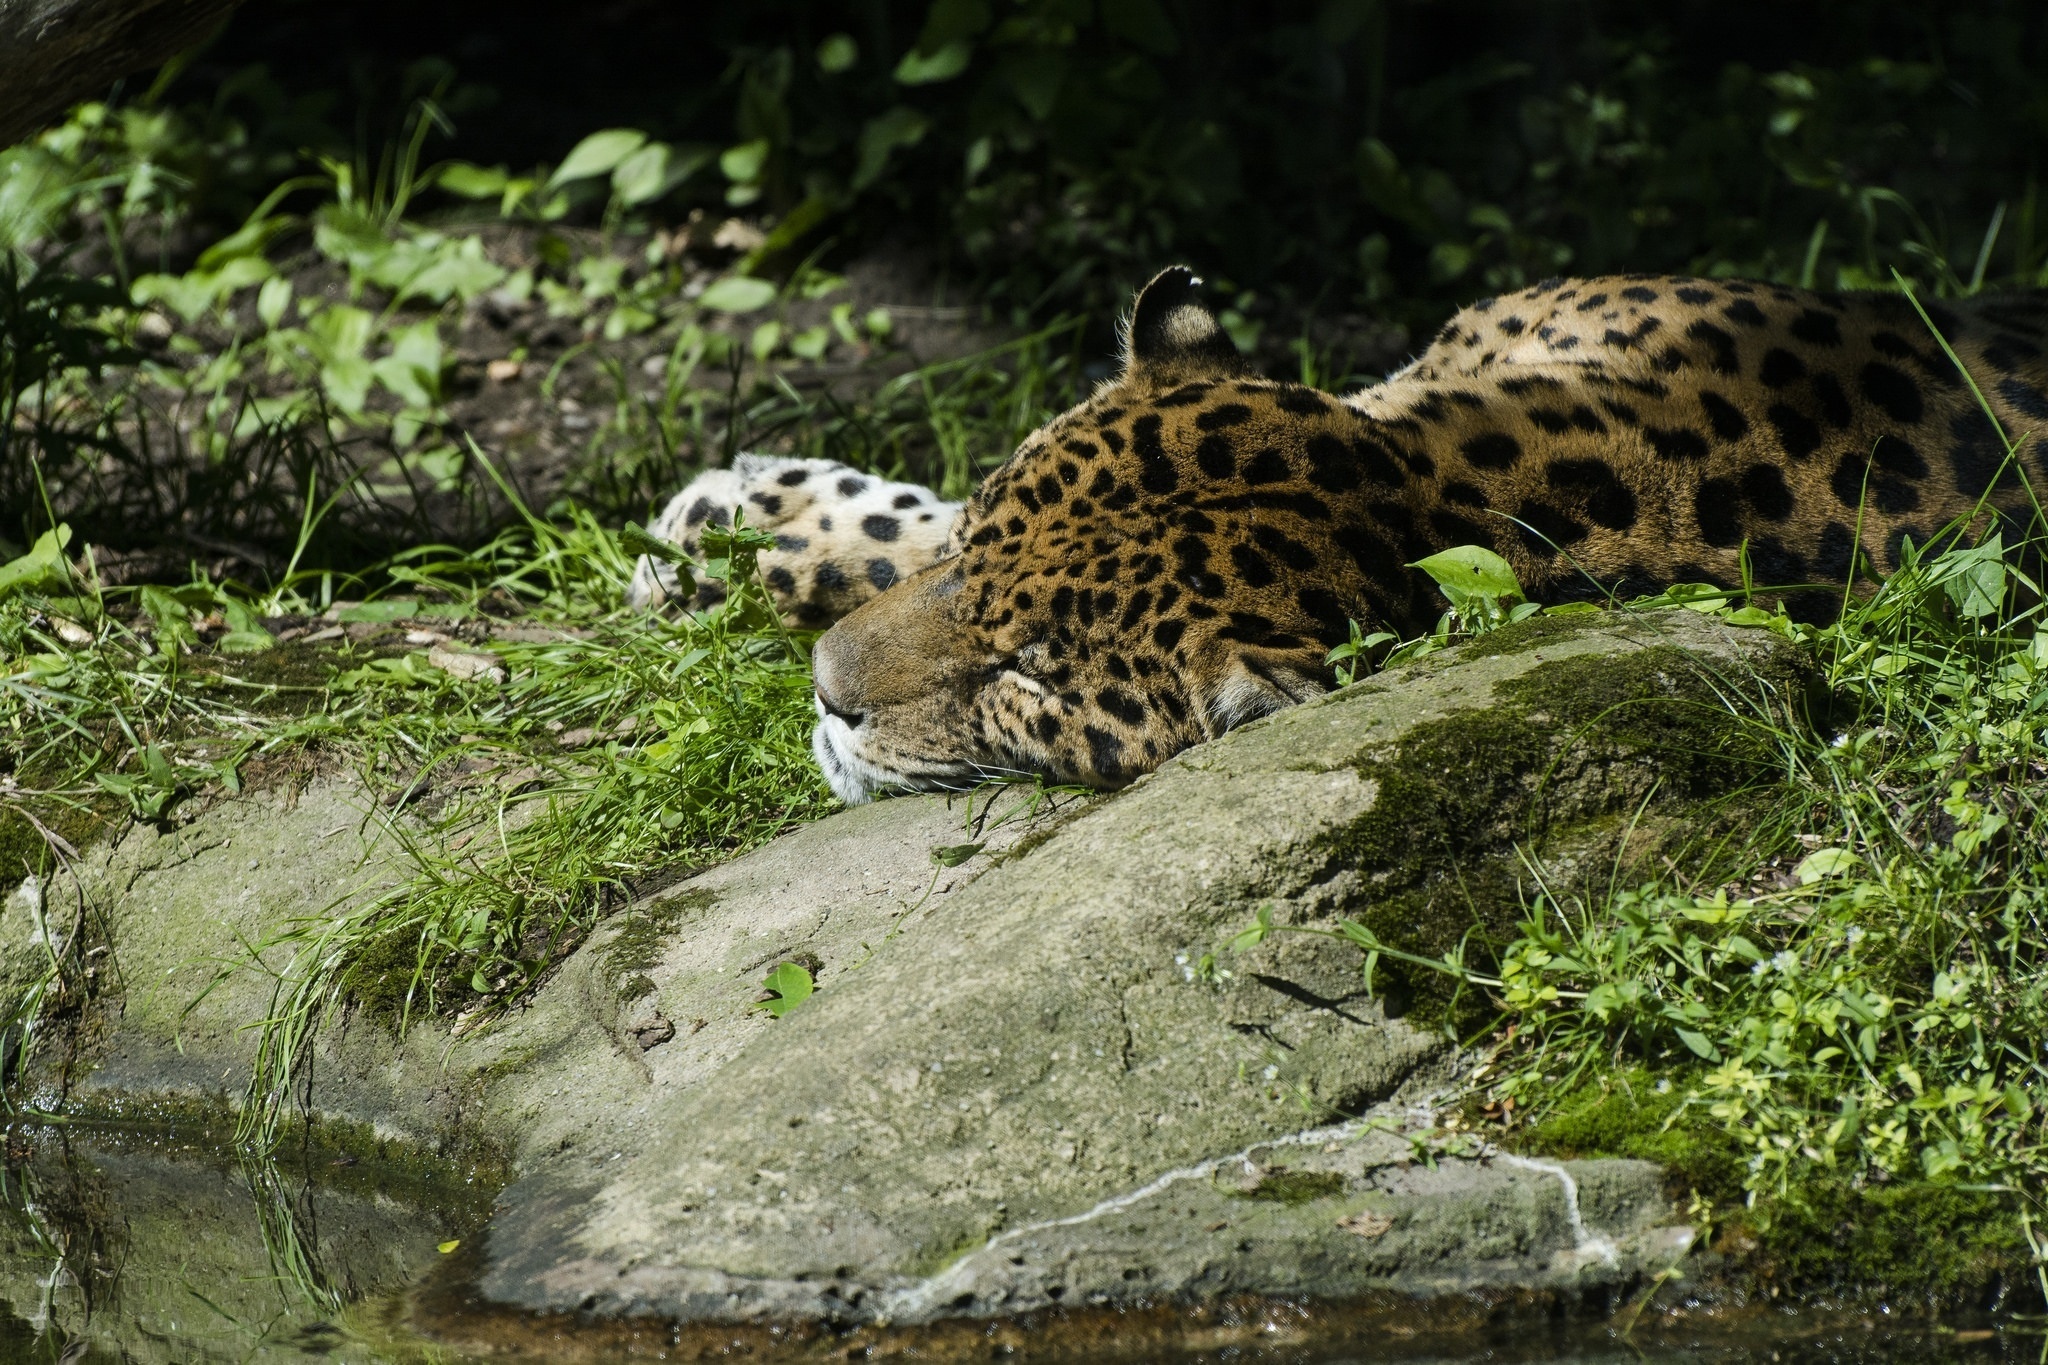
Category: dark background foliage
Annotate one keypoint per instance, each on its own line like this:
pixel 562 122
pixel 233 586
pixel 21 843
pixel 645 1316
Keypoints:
pixel 1395 156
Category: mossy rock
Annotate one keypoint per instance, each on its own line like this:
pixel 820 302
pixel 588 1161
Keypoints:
pixel 1587 766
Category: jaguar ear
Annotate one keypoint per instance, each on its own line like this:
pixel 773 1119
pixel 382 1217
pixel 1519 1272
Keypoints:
pixel 1172 331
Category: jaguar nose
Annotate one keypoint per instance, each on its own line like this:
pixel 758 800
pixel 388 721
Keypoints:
pixel 852 718
pixel 823 677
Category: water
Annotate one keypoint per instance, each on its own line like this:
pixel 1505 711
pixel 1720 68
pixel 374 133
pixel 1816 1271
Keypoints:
pixel 147 1246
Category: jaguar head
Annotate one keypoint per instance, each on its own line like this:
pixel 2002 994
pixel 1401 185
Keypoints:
pixel 1161 563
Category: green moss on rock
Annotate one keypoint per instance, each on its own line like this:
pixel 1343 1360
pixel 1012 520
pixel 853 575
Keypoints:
pixel 1533 633
pixel 294 665
pixel 636 945
pixel 1626 1114
pixel 24 850
pixel 1937 1242
pixel 1294 1187
pixel 1578 747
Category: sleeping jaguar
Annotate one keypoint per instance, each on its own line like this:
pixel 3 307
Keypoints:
pixel 1176 555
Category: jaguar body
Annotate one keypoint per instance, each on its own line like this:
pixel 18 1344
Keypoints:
pixel 1177 554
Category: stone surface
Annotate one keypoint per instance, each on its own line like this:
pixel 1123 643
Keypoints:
pixel 1015 1087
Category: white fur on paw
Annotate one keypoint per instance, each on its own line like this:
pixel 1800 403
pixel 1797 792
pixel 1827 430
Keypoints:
pixel 842 536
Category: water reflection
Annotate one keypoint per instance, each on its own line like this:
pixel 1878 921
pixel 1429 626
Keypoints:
pixel 131 1247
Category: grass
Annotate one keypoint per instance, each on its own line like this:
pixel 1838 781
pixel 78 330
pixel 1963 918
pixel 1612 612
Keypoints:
pixel 1844 1031
pixel 692 743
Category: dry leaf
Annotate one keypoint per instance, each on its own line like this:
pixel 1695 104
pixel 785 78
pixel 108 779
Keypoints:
pixel 460 663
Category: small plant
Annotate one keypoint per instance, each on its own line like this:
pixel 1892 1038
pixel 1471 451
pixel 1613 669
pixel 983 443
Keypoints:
pixel 788 986
pixel 1483 593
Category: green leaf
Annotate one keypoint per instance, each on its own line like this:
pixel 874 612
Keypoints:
pixel 917 68
pixel 390 609
pixel 1700 597
pixel 1737 946
pixel 173 620
pixel 636 540
pixel 413 369
pixel 1976 578
pixel 453 272
pixel 789 986
pixel 1034 77
pixel 250 239
pixel 838 53
pixel 952 855
pixel 1823 863
pixel 472 182
pixel 598 154
pixel 796 225
pixel 743 163
pixel 1699 1043
pixel 151 792
pixel 43 566
pixel 272 300
pixel 901 126
pixel 190 295
pixel 1261 926
pixel 738 294
pixel 643 176
pixel 1465 572
pixel 341 332
pixel 810 343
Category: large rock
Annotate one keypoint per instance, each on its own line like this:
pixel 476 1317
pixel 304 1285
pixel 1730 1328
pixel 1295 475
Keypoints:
pixel 1016 1086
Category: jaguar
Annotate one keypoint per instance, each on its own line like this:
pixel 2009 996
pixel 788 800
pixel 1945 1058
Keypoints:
pixel 1177 554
